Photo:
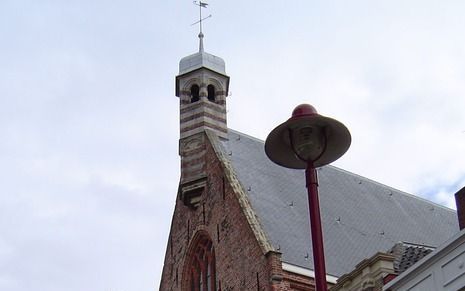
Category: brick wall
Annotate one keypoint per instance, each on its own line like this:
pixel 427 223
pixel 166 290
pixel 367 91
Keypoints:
pixel 298 282
pixel 240 261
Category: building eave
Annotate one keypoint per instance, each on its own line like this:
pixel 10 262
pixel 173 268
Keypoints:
pixel 306 272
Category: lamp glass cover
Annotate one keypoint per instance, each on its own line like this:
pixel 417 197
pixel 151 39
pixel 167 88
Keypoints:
pixel 307 141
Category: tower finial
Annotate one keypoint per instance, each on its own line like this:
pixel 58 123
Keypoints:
pixel 201 42
pixel 201 5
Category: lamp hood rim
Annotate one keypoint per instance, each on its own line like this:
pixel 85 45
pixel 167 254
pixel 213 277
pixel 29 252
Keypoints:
pixel 278 149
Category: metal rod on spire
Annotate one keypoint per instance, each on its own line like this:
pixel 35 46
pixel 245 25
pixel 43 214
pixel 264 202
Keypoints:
pixel 201 5
pixel 201 20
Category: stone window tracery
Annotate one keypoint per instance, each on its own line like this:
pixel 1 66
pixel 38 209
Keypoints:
pixel 201 267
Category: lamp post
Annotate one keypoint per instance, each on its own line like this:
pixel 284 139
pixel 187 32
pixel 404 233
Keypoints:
pixel 307 141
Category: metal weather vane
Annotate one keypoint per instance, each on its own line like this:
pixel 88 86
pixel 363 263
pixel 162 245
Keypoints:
pixel 201 5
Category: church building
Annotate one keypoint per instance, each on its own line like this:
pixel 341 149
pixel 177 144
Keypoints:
pixel 241 221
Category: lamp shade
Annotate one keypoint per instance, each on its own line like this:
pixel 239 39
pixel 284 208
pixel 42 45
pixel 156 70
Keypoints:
pixel 332 141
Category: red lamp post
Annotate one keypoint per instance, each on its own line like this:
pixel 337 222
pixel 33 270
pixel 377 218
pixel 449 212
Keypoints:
pixel 307 141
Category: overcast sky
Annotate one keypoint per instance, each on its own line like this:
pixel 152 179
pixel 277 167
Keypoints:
pixel 89 123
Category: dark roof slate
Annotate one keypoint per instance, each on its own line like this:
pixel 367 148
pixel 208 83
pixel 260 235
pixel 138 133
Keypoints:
pixel 407 254
pixel 360 217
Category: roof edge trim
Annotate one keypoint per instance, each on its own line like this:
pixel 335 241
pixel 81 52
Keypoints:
pixel 241 195
pixel 306 272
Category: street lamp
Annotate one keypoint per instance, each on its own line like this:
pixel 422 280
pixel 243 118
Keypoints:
pixel 306 141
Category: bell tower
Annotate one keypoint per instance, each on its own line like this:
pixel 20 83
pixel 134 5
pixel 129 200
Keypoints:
pixel 202 86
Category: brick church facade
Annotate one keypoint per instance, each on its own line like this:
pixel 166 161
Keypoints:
pixel 240 222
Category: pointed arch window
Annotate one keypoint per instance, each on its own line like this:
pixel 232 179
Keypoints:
pixel 201 268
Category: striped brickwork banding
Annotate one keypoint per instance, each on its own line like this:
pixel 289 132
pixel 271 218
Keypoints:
pixel 203 104
pixel 192 150
pixel 192 173
pixel 203 114
pixel 200 127
pixel 199 115
pixel 218 101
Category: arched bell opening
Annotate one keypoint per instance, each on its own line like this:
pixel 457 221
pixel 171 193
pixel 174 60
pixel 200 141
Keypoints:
pixel 195 93
pixel 211 93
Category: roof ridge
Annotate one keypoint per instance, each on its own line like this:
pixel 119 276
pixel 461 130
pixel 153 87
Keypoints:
pixel 395 189
pixel 246 135
pixel 409 244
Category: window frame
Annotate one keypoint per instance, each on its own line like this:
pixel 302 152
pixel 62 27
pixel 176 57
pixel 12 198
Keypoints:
pixel 201 266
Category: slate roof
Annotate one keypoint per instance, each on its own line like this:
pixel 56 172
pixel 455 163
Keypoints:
pixel 201 60
pixel 360 217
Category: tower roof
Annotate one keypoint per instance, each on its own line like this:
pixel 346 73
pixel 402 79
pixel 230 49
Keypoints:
pixel 201 59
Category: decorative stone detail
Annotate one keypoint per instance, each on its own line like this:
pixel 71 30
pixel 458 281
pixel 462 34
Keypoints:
pixel 368 285
pixel 368 274
pixel 191 144
pixel 192 152
pixel 191 193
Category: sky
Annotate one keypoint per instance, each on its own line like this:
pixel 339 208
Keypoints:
pixel 89 123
